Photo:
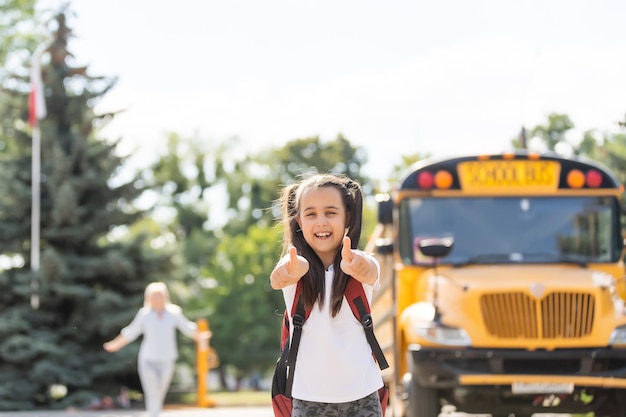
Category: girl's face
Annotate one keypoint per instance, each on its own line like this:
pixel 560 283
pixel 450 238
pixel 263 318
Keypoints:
pixel 322 218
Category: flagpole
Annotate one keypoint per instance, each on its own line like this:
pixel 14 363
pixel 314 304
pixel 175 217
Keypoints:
pixel 37 110
pixel 35 216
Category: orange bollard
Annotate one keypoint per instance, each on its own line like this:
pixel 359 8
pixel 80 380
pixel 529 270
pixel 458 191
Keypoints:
pixel 202 366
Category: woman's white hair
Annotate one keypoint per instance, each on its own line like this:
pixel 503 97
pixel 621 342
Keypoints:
pixel 156 288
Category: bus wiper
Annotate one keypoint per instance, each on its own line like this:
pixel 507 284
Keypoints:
pixel 572 259
pixel 484 258
pixel 518 257
pixel 551 258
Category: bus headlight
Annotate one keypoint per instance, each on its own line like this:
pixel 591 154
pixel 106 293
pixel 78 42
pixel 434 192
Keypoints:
pixel 618 337
pixel 420 318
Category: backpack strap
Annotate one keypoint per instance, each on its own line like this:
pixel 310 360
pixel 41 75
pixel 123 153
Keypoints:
pixel 284 335
pixel 355 294
pixel 298 321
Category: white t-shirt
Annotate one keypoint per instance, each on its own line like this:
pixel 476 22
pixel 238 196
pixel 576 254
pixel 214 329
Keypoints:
pixel 159 332
pixel 335 362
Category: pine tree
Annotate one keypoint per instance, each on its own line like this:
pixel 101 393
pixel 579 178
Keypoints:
pixel 90 283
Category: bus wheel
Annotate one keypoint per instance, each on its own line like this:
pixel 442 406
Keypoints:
pixel 620 402
pixel 423 402
pixel 615 407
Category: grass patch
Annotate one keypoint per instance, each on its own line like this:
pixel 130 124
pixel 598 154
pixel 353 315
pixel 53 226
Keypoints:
pixel 223 398
pixel 241 398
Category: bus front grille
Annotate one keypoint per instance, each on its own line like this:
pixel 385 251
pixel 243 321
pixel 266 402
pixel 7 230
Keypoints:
pixel 516 315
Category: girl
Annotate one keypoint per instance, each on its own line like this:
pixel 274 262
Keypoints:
pixel 336 374
pixel 158 321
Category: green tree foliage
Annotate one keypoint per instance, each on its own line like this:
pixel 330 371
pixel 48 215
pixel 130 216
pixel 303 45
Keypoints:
pixel 189 178
pixel 613 153
pixel 309 155
pixel 16 31
pixel 554 131
pixel 91 279
pixel 245 311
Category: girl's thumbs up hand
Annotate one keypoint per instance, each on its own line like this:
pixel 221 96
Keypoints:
pixel 357 265
pixel 346 252
pixel 290 270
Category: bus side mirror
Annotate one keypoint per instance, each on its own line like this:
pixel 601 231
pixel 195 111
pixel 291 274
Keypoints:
pixel 385 208
pixel 436 247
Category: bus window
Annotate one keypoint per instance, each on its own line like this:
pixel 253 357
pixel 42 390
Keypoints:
pixel 515 229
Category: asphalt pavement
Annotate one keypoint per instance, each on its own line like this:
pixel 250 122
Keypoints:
pixel 264 411
pixel 179 412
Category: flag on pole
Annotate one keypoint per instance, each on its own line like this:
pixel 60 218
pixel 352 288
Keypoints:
pixel 36 100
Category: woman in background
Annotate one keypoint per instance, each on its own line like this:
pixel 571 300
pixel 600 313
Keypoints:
pixel 157 320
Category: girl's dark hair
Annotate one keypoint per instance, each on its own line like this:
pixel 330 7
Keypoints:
pixel 313 281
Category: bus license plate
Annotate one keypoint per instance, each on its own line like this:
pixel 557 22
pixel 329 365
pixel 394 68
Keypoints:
pixel 542 387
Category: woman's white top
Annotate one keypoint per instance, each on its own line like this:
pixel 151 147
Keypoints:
pixel 335 362
pixel 159 332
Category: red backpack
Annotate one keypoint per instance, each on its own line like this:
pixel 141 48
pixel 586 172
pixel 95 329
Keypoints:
pixel 282 381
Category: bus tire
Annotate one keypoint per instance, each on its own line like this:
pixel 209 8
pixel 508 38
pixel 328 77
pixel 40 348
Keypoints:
pixel 620 402
pixel 423 402
pixel 615 407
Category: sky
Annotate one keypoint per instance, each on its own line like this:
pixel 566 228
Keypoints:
pixel 397 77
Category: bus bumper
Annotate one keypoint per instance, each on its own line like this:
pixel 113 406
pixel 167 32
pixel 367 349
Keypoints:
pixel 446 369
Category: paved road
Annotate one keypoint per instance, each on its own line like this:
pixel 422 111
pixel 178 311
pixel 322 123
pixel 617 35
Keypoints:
pixel 197 412
pixel 190 412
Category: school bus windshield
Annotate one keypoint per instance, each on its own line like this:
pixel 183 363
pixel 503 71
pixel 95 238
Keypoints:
pixel 491 230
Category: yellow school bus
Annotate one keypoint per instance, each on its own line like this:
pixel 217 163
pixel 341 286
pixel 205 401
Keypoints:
pixel 502 287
